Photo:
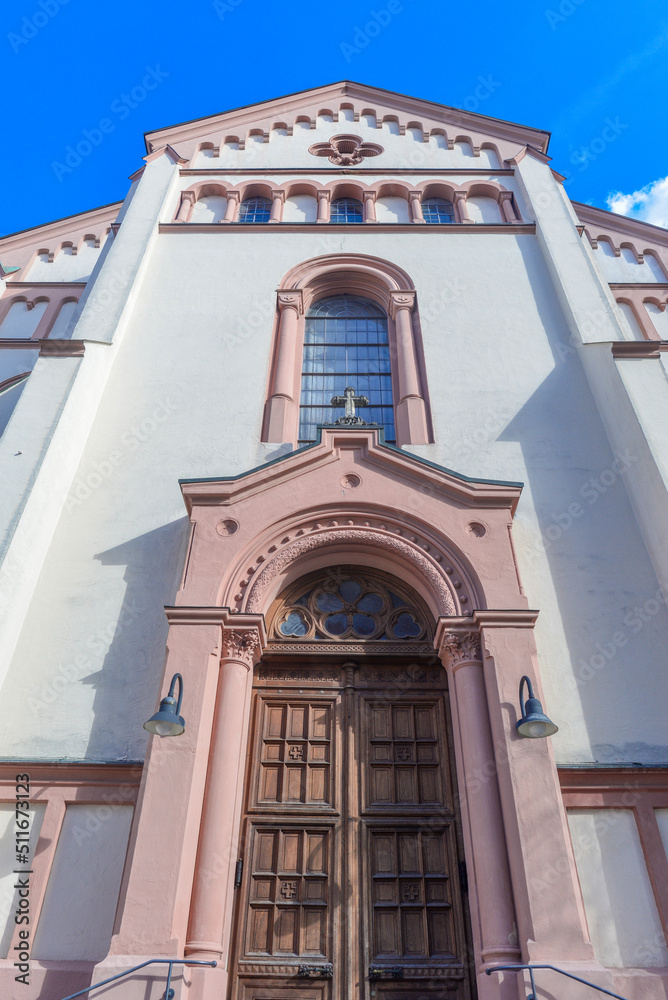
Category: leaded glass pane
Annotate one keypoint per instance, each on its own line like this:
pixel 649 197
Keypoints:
pixel 345 343
pixel 346 210
pixel 255 210
pixel 438 210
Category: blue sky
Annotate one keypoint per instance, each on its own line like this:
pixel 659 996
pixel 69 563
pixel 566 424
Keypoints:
pixel 593 72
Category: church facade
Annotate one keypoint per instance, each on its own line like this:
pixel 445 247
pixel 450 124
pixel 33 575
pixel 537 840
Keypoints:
pixel 347 425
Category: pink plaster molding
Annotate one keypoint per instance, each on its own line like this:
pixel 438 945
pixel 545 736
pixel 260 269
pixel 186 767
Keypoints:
pixel 351 538
pixel 381 106
pixel 22 248
pixel 346 150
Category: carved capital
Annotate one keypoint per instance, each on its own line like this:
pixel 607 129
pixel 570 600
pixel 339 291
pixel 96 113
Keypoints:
pixel 278 193
pixel 233 196
pixel 290 299
pixel 242 645
pixel 505 196
pixel 401 300
pixel 460 647
pixel 324 195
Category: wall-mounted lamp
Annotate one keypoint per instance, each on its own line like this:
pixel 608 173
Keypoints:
pixel 167 720
pixel 533 724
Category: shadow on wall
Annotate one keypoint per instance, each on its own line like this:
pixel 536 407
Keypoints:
pixel 614 645
pixel 128 684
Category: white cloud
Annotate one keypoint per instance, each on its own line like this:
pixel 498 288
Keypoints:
pixel 649 204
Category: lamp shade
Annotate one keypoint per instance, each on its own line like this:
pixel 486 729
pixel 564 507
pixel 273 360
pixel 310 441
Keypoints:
pixel 167 721
pixel 534 724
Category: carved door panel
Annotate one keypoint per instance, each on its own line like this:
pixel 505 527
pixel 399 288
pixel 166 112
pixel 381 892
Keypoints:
pixel 350 888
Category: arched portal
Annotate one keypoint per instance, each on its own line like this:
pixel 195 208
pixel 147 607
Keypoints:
pixel 246 778
pixel 350 834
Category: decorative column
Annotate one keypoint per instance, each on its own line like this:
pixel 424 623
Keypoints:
pixel 188 199
pixel 507 207
pixel 460 207
pixel 411 420
pixel 370 206
pixel 489 874
pixel 277 200
pixel 280 413
pixel 323 206
pixel 243 638
pixel 416 206
pixel 232 207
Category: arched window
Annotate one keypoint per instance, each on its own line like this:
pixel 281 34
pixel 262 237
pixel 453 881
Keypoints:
pixel 255 210
pixel 345 344
pixel 438 210
pixel 346 210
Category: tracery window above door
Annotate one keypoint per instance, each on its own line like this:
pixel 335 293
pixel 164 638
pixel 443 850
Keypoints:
pixel 346 604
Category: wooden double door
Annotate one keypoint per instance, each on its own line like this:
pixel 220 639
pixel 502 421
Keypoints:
pixel 351 882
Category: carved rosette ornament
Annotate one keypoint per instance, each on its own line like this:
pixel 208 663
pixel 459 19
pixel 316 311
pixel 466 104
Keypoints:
pixel 345 150
pixel 242 645
pixel 460 647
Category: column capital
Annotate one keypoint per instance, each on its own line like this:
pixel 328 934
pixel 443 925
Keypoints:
pixel 278 193
pixel 459 195
pixel 505 195
pixel 324 194
pixel 244 645
pixel 456 647
pixel 401 300
pixel 290 298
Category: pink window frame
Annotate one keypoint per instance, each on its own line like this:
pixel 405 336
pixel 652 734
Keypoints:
pixel 372 278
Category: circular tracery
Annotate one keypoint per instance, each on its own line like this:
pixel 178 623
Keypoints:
pixel 348 605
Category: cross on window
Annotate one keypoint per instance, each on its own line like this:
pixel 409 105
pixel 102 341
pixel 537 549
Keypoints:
pixel 350 401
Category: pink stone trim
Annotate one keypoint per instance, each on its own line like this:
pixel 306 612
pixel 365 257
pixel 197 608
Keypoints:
pixel 381 105
pixel 641 791
pixel 639 348
pixel 361 191
pixel 32 292
pixel 370 277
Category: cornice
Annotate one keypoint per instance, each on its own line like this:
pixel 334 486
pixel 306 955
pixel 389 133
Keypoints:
pixel 621 224
pixel 181 615
pixel 284 104
pixel 339 172
pixel 493 618
pixel 522 229
pixel 60 227
pixel 61 348
pixel 639 348
pixel 46 284
pixel 474 494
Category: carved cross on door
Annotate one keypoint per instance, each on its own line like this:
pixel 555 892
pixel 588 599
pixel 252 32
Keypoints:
pixel 350 401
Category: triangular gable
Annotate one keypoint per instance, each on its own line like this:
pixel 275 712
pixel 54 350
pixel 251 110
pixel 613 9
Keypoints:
pixel 346 102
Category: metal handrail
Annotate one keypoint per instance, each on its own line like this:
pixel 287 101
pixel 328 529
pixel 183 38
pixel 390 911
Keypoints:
pixel 171 962
pixel 562 972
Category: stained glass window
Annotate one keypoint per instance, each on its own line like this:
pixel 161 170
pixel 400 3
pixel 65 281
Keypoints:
pixel 345 344
pixel 352 606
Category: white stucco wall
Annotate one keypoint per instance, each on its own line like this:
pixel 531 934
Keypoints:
pixel 185 397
